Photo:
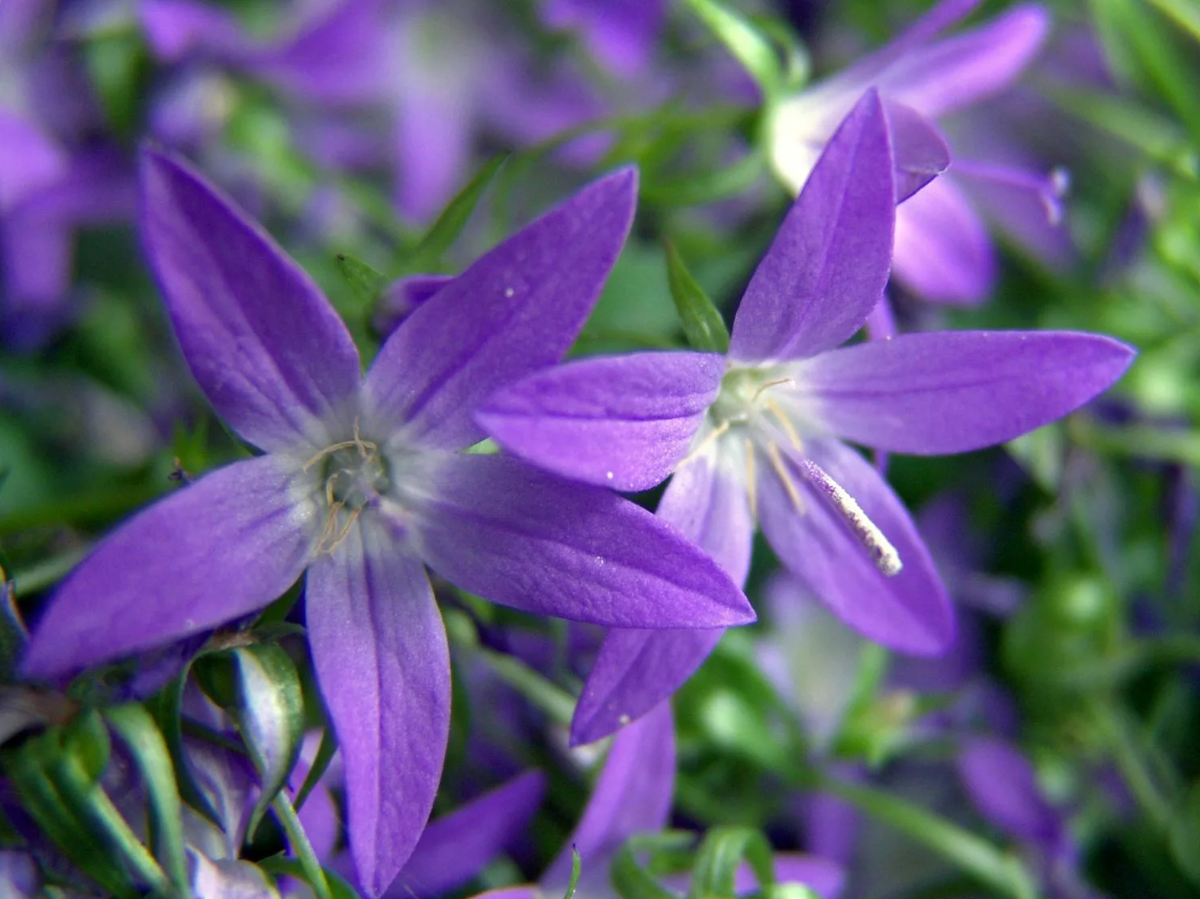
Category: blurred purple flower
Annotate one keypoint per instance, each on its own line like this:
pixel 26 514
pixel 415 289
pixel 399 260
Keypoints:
pixel 759 435
pixel 620 33
pixel 363 484
pixel 943 251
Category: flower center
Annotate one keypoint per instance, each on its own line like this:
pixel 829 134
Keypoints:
pixel 354 475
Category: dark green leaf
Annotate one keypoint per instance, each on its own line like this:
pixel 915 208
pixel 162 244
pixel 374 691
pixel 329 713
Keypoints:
pixel 702 323
pixel 325 753
pixel 366 285
pixel 633 880
pixel 292 867
pixel 450 224
pixel 720 856
pixel 12 630
pixel 301 847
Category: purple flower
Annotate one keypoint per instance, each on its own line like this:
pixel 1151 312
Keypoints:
pixel 363 485
pixel 620 33
pixel 758 435
pixel 942 249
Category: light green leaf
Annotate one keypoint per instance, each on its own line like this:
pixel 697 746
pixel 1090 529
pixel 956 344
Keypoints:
pixel 702 322
pixel 749 45
pixel 720 856
pixel 366 285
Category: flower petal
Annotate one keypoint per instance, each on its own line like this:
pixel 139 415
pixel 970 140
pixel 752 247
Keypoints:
pixel 636 670
pixel 227 545
pixel 908 611
pixel 918 149
pixel 943 251
pixel 632 794
pixel 828 265
pixel 1003 786
pixel 953 391
pixel 516 310
pixel 380 653
pixel 617 421
pixel 264 344
pixel 455 847
pixel 963 69
pixel 518 536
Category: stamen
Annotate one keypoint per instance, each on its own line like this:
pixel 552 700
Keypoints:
pixel 708 439
pixel 785 423
pixel 885 556
pixel 345 531
pixel 763 388
pixel 781 470
pixel 751 481
pixel 366 449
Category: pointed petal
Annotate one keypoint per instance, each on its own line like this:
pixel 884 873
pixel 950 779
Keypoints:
pixel 954 391
pixel 224 546
pixel 632 794
pixel 636 670
pixel 616 421
pixel 963 69
pixel 516 310
pixel 918 148
pixel 455 847
pixel 1003 786
pixel 264 344
pixel 518 536
pixel 943 251
pixel 828 265
pixel 383 666
pixel 909 611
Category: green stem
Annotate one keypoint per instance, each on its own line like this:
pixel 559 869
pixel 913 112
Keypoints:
pixel 547 696
pixel 298 840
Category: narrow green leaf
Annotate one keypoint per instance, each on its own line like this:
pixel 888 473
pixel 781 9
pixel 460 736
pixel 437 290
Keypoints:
pixel 301 847
pixel 1000 871
pixel 85 739
pixel 720 856
pixel 270 716
pixel 751 48
pixel 13 636
pixel 1186 14
pixel 168 711
pixel 366 285
pixel 576 870
pixel 291 867
pixel 325 754
pixel 136 728
pixel 633 880
pixel 544 694
pixel 709 186
pixel 450 224
pixel 702 323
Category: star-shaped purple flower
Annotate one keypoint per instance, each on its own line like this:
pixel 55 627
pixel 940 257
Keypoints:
pixel 363 484
pixel 758 435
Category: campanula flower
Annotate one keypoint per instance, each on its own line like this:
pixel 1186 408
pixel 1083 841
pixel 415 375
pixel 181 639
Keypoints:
pixel 362 484
pixel 758 435
pixel 942 251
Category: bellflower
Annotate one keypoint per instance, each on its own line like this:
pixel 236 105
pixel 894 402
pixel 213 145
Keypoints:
pixel 362 484
pixel 942 250
pixel 758 435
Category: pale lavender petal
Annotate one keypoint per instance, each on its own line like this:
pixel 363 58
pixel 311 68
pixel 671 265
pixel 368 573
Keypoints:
pixel 224 546
pixel 518 892
pixel 632 794
pixel 1027 204
pixel 29 160
pixel 272 355
pixel 227 781
pixel 178 28
pixel 36 273
pixel 829 262
pixel 617 421
pixel 963 69
pixel 953 391
pixel 943 252
pixel 454 848
pixel 228 878
pixel 918 149
pixel 516 310
pixel 380 653
pixel 939 17
pixel 1002 784
pixel 636 670
pixel 519 536
pixel 908 611
pixel 19 875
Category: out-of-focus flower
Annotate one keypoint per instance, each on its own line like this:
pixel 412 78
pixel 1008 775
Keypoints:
pixel 363 483
pixel 943 251
pixel 758 435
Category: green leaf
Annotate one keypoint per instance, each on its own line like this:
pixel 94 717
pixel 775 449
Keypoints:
pixel 85 739
pixel 1185 835
pixel 325 754
pixel 749 45
pixel 310 865
pixel 709 186
pixel 720 856
pixel 13 635
pixel 168 711
pixel 366 285
pixel 450 224
pixel 292 867
pixel 1000 871
pixel 633 880
pixel 144 742
pixel 702 323
pixel 270 715
pixel 576 870
pixel 1186 14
